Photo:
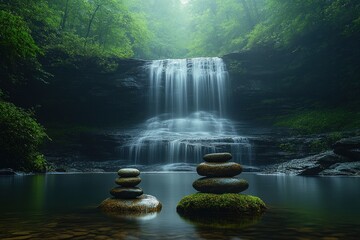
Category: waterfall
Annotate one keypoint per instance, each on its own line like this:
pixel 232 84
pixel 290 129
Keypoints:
pixel 187 98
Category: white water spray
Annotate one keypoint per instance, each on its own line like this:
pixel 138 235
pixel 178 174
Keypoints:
pixel 188 98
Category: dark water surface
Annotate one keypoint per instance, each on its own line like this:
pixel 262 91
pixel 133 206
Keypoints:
pixel 64 207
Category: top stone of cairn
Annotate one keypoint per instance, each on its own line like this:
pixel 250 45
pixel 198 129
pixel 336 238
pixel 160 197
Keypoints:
pixel 217 157
pixel 128 172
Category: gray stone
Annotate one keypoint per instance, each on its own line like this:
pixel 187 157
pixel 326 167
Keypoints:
pixel 128 172
pixel 343 169
pixel 126 193
pixel 309 166
pixel 220 185
pixel 141 205
pixel 217 157
pixel 128 181
pixel 228 169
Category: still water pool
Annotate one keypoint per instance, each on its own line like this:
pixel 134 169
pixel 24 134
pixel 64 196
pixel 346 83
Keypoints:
pixel 63 206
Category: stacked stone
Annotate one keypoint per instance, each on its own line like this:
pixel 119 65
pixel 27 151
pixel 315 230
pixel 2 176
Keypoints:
pixel 128 180
pixel 219 175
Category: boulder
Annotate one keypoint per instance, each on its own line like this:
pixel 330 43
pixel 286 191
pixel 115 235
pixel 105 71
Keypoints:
pixel 141 205
pixel 221 204
pixel 220 185
pixel 343 169
pixel 228 169
pixel 308 166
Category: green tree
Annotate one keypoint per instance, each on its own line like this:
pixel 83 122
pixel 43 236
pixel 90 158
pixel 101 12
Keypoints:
pixel 20 138
pixel 18 50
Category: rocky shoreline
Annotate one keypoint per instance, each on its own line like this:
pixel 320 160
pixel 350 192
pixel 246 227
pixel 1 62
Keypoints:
pixel 342 160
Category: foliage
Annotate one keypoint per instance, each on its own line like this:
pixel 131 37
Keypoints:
pixel 319 121
pixel 220 27
pixel 17 48
pixel 20 138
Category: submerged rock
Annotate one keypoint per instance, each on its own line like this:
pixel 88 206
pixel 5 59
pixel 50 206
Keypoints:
pixel 228 169
pixel 128 181
pixel 128 172
pixel 217 157
pixel 221 204
pixel 220 185
pixel 126 193
pixel 143 204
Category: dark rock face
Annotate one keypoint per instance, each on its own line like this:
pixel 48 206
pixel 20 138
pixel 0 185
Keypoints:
pixel 228 169
pixel 128 181
pixel 217 157
pixel 7 172
pixel 348 147
pixel 220 185
pixel 126 193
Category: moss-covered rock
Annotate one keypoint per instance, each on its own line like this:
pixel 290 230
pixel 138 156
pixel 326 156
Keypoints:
pixel 138 206
pixel 222 204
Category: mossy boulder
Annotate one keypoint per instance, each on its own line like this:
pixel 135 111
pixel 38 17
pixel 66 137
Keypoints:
pixel 143 204
pixel 221 204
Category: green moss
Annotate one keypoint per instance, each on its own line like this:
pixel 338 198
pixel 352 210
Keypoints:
pixel 288 147
pixel 320 121
pixel 229 203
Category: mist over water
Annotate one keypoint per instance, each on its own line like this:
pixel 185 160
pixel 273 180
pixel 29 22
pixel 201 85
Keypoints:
pixel 188 102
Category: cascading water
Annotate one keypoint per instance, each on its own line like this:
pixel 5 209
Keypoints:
pixel 188 98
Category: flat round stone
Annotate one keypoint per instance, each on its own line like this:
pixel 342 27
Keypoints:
pixel 220 185
pixel 128 172
pixel 227 169
pixel 126 193
pixel 128 181
pixel 142 205
pixel 217 157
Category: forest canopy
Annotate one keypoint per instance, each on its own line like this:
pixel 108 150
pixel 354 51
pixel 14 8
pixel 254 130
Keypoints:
pixel 182 28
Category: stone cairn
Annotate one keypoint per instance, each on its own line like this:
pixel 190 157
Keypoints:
pixel 127 198
pixel 128 180
pixel 219 175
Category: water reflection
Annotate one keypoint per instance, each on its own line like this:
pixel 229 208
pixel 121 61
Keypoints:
pixel 47 206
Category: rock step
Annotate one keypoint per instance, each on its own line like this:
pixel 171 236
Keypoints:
pixel 217 157
pixel 126 193
pixel 128 172
pixel 220 185
pixel 128 181
pixel 227 169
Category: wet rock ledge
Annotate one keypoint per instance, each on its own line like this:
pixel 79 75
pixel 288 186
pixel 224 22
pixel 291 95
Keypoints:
pixel 342 160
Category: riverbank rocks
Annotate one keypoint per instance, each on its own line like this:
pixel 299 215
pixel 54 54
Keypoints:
pixel 129 199
pixel 219 190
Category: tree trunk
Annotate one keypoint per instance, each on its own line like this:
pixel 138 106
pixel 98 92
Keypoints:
pixel 90 23
pixel 65 16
